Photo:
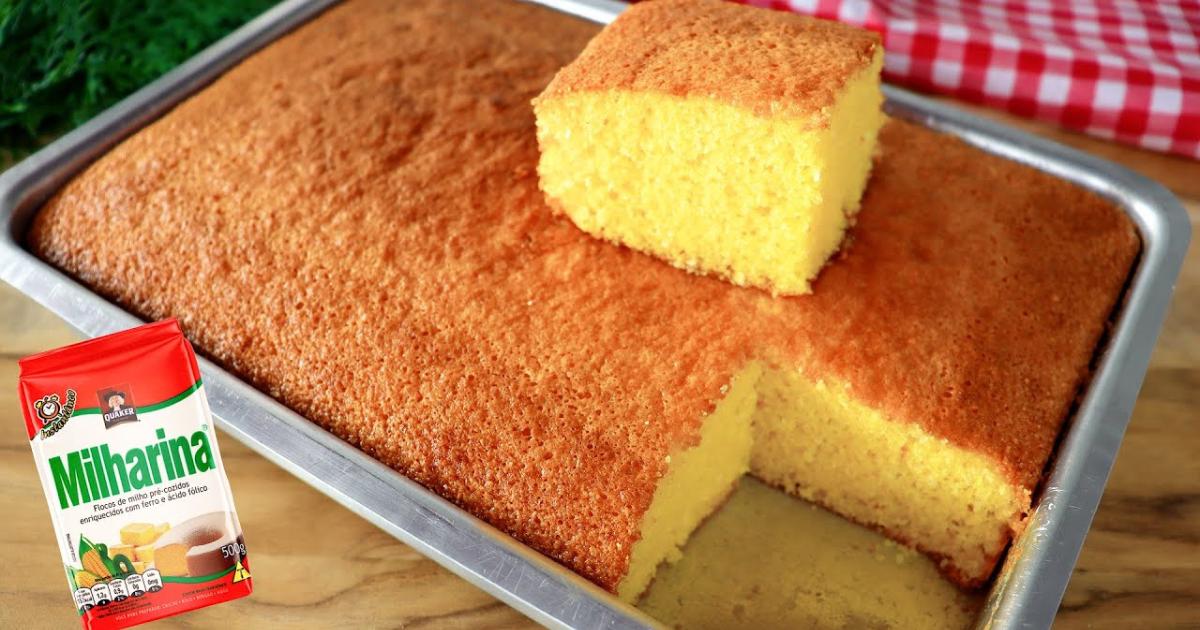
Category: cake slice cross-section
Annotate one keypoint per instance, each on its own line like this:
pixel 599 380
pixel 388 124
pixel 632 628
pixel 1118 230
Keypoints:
pixel 723 139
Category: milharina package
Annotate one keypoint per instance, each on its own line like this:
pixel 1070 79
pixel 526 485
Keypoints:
pixel 125 446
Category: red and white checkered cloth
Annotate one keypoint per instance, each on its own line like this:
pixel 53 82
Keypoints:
pixel 1127 70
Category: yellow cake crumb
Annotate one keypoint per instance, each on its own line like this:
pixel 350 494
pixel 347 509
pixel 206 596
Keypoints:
pixel 121 550
pixel 144 553
pixel 814 440
pixel 138 534
pixel 696 483
pixel 171 559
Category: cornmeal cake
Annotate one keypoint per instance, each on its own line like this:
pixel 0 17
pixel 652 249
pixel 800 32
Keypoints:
pixel 351 220
pixel 722 138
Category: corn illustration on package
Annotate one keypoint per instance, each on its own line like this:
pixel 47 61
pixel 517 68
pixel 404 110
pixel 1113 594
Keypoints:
pixel 125 446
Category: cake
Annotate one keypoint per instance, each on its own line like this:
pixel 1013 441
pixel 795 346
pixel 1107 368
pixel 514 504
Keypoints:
pixel 721 138
pixel 199 546
pixel 351 220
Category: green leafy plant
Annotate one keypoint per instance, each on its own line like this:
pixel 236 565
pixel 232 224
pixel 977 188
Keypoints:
pixel 64 61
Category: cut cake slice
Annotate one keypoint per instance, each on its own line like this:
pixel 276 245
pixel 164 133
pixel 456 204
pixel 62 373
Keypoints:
pixel 723 139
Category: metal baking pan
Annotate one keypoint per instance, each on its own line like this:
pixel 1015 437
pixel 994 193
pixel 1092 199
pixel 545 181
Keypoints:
pixel 1026 593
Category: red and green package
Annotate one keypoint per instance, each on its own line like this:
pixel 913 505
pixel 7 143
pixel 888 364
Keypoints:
pixel 125 446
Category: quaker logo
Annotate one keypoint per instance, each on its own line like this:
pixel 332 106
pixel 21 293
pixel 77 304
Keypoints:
pixel 116 405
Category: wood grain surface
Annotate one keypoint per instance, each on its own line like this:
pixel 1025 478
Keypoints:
pixel 318 565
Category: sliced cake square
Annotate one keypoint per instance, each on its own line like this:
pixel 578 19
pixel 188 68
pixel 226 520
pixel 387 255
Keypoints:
pixel 723 139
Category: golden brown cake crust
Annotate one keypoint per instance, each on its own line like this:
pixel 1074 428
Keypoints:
pixel 970 299
pixel 351 220
pixel 769 62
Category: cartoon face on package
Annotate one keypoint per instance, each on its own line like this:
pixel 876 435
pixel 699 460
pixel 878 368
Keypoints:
pixel 125 447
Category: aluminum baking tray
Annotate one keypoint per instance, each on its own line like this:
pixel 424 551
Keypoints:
pixel 1026 593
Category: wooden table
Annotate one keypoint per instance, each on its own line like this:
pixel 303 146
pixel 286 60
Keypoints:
pixel 1140 565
